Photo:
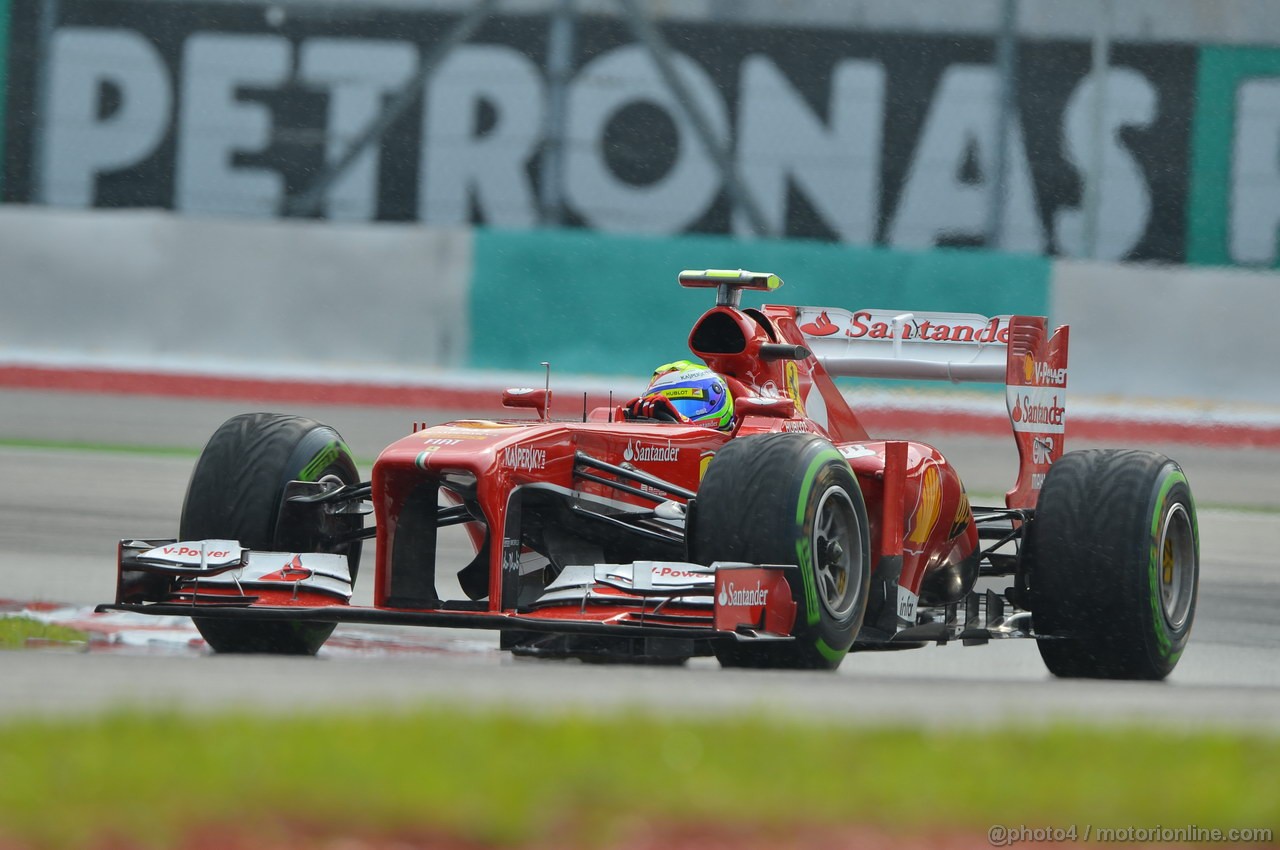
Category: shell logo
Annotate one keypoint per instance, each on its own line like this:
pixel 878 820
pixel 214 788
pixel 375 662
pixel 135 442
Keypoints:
pixel 1028 369
pixel 961 521
pixel 703 462
pixel 930 506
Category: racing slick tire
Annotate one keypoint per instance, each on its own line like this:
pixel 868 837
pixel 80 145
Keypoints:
pixel 1113 562
pixel 790 498
pixel 236 492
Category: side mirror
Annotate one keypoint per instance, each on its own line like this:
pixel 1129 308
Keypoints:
pixel 528 397
pixel 782 407
pixel 783 351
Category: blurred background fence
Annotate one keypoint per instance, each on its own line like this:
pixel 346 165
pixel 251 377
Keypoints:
pixel 1107 129
pixel 597 145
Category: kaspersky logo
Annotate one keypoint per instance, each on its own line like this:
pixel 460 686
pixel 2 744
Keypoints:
pixel 518 457
pixel 636 452
pixel 731 595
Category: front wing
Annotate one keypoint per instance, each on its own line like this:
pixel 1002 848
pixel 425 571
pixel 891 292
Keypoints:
pixel 219 579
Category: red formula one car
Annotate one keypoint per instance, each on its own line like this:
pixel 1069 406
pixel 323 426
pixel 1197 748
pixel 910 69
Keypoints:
pixel 783 542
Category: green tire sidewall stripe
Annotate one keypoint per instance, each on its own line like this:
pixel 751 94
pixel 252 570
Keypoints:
pixel 804 555
pixel 829 652
pixel 327 455
pixel 1159 624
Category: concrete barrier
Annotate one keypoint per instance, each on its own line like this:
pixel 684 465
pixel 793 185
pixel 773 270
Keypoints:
pixel 1170 333
pixel 152 287
pixel 405 306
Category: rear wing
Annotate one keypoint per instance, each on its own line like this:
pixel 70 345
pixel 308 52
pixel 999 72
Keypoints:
pixel 1017 351
pixel 894 344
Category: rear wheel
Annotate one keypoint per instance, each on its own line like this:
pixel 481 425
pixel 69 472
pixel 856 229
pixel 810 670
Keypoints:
pixel 236 492
pixel 790 499
pixel 1114 564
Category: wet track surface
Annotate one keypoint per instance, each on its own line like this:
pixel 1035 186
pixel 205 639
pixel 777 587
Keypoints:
pixel 63 510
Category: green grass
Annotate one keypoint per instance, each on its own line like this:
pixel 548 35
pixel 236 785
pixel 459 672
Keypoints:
pixel 16 631
pixel 120 448
pixel 507 778
pixel 111 448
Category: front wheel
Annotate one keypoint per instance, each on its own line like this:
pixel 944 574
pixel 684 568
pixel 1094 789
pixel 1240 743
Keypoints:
pixel 236 493
pixel 1114 565
pixel 790 499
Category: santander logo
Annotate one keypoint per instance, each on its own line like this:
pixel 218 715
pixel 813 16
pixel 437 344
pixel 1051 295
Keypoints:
pixel 650 454
pixel 821 326
pixel 731 595
pixel 1025 410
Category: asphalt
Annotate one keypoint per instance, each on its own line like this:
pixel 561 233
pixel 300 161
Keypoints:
pixel 62 510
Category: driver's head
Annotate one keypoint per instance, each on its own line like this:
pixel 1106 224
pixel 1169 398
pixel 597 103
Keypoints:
pixel 695 391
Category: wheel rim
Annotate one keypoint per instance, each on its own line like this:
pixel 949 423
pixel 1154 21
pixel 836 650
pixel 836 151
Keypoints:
pixel 837 553
pixel 1176 561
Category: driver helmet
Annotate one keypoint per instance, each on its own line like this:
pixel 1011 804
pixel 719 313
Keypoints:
pixel 698 393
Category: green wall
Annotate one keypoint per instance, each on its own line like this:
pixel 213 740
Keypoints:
pixel 1219 75
pixel 598 304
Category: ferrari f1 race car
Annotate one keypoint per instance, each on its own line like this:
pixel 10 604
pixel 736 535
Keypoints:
pixel 784 541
